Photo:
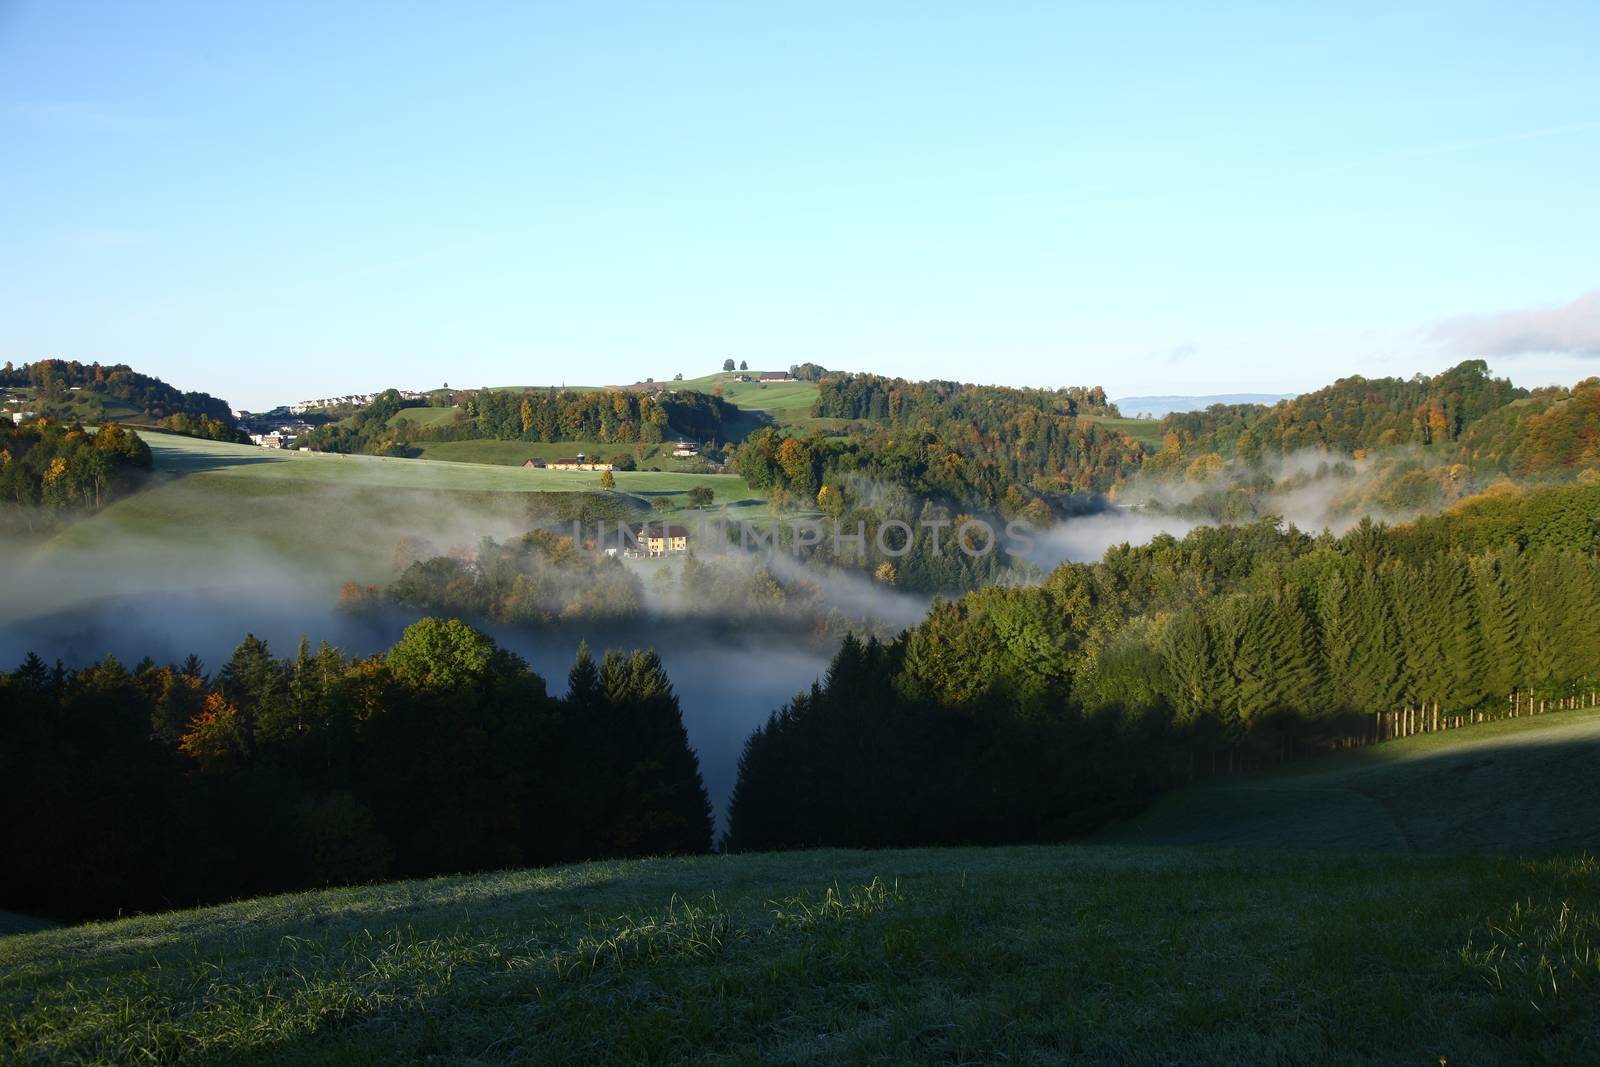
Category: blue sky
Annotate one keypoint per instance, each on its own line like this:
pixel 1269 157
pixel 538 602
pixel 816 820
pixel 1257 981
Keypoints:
pixel 283 200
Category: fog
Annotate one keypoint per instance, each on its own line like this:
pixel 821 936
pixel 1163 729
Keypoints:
pixel 98 589
pixel 186 567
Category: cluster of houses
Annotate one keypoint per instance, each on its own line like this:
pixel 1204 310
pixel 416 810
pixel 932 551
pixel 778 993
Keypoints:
pixel 354 400
pixel 277 428
pixel 276 439
pixel 16 408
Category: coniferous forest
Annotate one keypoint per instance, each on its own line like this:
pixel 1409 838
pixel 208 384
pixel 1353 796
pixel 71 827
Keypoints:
pixel 153 787
pixel 1039 713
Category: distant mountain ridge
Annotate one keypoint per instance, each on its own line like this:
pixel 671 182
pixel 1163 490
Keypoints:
pixel 1156 407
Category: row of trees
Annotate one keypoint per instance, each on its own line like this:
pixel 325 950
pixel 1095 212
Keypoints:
pixel 1029 713
pixel 615 416
pixel 202 426
pixel 608 416
pixel 931 403
pixel 161 786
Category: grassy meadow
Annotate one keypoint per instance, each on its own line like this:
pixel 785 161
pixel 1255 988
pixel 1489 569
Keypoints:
pixel 1514 783
pixel 186 455
pixel 215 508
pixel 1033 955
pixel 428 416
pixel 1407 944
pixel 1145 431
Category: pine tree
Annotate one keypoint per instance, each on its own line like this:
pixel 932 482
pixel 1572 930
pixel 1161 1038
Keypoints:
pixel 1499 615
pixel 1454 672
pixel 1375 684
pixel 1186 655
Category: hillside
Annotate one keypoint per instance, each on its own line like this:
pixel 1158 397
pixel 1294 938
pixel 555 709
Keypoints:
pixel 244 462
pixel 69 390
pixel 327 518
pixel 1524 784
pixel 1119 955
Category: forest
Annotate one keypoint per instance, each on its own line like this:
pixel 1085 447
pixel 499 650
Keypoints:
pixel 1393 446
pixel 1036 713
pixel 163 786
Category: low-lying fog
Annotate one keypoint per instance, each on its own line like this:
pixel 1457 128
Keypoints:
pixel 727 686
pixel 166 590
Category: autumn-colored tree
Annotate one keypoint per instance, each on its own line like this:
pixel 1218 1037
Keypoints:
pixel 216 738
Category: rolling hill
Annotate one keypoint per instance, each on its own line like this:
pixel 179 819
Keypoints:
pixel 1115 953
pixel 324 518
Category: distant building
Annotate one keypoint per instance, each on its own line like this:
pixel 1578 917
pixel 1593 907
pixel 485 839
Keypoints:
pixel 775 376
pixel 580 462
pixel 533 465
pixel 661 539
pixel 684 450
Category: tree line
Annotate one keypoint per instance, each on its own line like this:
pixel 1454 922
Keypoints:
pixel 1040 712
pixel 613 416
pixel 163 786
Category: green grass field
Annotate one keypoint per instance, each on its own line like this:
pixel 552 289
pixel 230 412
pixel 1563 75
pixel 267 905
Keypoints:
pixel 1527 783
pixel 187 455
pixel 1145 431
pixel 429 416
pixel 1355 950
pixel 1021 955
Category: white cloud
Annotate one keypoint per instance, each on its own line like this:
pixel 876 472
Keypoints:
pixel 1572 330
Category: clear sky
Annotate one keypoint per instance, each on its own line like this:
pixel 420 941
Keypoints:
pixel 279 200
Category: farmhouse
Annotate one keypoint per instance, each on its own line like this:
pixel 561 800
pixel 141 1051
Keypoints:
pixel 775 376
pixel 661 539
pixel 684 449
pixel 533 464
pixel 580 462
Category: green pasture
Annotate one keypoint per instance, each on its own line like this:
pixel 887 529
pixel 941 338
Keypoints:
pixel 1526 783
pixel 1058 955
